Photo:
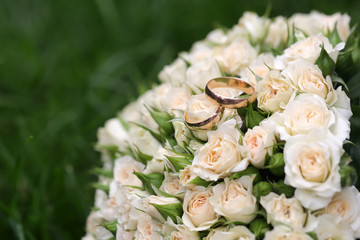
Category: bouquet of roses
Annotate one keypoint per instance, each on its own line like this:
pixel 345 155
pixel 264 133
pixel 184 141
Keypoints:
pixel 243 139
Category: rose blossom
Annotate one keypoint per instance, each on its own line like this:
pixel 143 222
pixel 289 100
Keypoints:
pixel 273 92
pixel 226 233
pixel 312 167
pixel 174 231
pixel 147 228
pixel 234 200
pixel 258 141
pixel 256 26
pixel 123 171
pixel 308 78
pixel 171 185
pixel 331 227
pixel 221 155
pixel 174 73
pixel 277 32
pixel 284 210
pixel 307 112
pixel 346 204
pixel 187 175
pixel 198 214
pixel 281 232
pixel 152 211
pixel 258 68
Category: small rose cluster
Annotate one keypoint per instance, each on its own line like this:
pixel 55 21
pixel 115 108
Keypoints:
pixel 276 169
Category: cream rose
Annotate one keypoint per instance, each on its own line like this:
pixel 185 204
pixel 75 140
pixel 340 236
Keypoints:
pixel 312 167
pixel 308 78
pixel 308 49
pixel 282 210
pixel 237 55
pixel 187 175
pixel 258 68
pixel 331 227
pixel 277 33
pixel 307 112
pixel 198 74
pixel 182 133
pixel 174 231
pixel 221 155
pixel 217 36
pixel 175 100
pixel 200 51
pixel 147 229
pixel 113 133
pixel 200 108
pixel 122 234
pixel 346 204
pixel 234 199
pixel 259 141
pixel 256 26
pixel 171 185
pixel 142 139
pixel 226 233
pixel 198 214
pixel 175 73
pixel 281 232
pixel 273 92
pixel 123 171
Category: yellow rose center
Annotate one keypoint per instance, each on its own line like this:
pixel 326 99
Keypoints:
pixel 313 165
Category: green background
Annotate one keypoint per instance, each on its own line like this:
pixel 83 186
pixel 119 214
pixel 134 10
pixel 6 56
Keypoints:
pixel 67 66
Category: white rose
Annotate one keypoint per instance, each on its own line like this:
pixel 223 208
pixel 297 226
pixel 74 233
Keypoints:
pixel 273 92
pixel 102 233
pixel 122 234
pixel 282 210
pixel 237 55
pixel 113 133
pixel 259 141
pixel 200 108
pixel 307 112
pixel 308 49
pixel 342 104
pixel 221 155
pixel 143 139
pixel 277 33
pixel 175 100
pixel 198 214
pixel 259 67
pixel 226 233
pixel 256 26
pixel 171 185
pixel 187 175
pixel 174 231
pixel 182 133
pixel 147 229
pixel 152 211
pixel 217 36
pixel 175 73
pixel 281 232
pixel 331 227
pixel 131 112
pixel 123 171
pixel 149 99
pixel 308 78
pixel 234 199
pixel 199 73
pixel 312 167
pixel 93 221
pixel 346 204
pixel 199 51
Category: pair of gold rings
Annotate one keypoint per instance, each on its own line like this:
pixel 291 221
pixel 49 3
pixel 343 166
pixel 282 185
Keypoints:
pixel 224 102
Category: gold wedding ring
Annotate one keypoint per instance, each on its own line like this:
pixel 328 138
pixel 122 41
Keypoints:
pixel 207 123
pixel 231 82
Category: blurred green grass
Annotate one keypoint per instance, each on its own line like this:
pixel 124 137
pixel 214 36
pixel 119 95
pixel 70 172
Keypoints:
pixel 67 66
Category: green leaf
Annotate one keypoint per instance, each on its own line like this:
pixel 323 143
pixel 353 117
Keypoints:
pixel 334 37
pixel 103 172
pixel 124 123
pixel 150 179
pixel 200 182
pixel 325 62
pixel 154 134
pixel 337 79
pixel 170 210
pixel 262 189
pixel 105 188
pixel 312 235
pixel 111 226
pixel 163 119
pixel 345 159
pixel 259 227
pixel 252 118
pixel 112 150
pixel 178 163
pixel 250 170
pixel 142 157
pixel 348 176
pixel 276 164
pixel 281 188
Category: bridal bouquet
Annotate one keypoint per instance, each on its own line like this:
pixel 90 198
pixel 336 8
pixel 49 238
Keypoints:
pixel 243 139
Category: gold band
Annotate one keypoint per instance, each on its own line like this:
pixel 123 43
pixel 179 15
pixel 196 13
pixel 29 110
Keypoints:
pixel 207 123
pixel 231 82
